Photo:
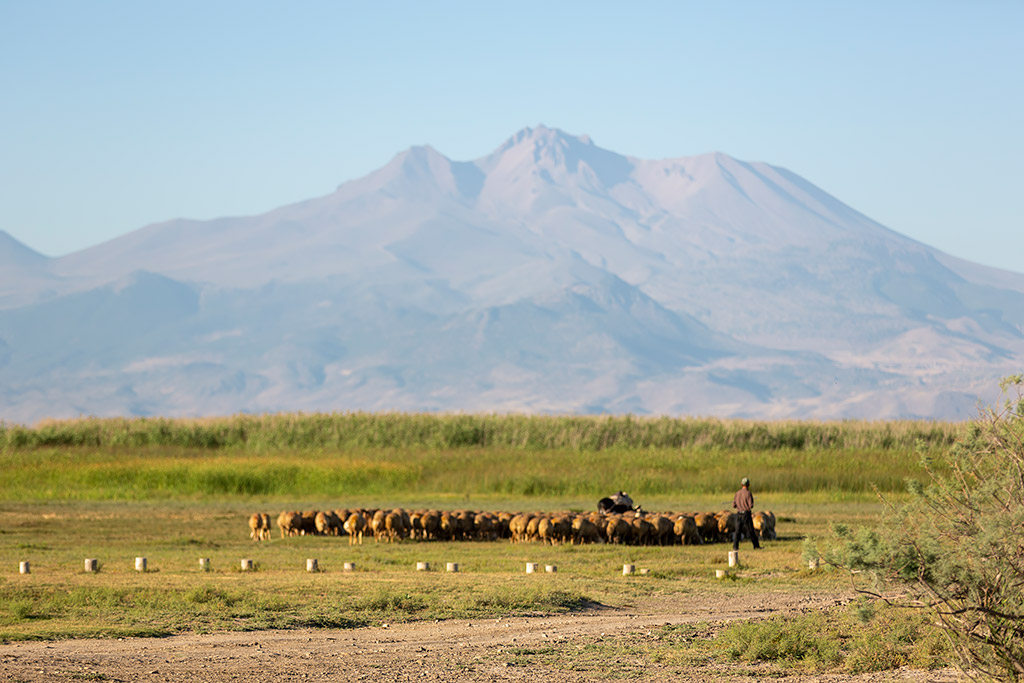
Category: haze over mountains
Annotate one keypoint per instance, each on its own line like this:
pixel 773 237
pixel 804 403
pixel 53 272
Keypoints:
pixel 549 276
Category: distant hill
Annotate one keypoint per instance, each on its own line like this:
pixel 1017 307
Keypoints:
pixel 549 276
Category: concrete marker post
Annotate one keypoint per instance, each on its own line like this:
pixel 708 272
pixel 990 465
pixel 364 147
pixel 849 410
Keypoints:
pixel 720 573
pixel 24 568
pixel 349 566
pixel 140 564
pixel 551 569
pixel 92 565
pixel 531 567
pixel 204 564
pixel 734 558
pixel 312 565
pixel 423 566
pixel 247 565
pixel 628 569
pixel 452 567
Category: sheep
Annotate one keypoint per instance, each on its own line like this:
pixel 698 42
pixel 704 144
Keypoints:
pixel 394 526
pixel 256 526
pixel 707 526
pixel 466 524
pixel 764 525
pixel 322 522
pixel 355 525
pixel 517 528
pixel 308 523
pixel 685 528
pixel 377 525
pixel 341 515
pixel 502 525
pixel 431 522
pixel 290 523
pixel 485 526
pixel 727 522
pixel 643 531
pixel 449 528
pixel 663 530
pixel 531 528
pixel 562 528
pixel 618 530
pixel 585 531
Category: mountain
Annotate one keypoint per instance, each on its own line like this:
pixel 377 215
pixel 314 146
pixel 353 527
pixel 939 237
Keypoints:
pixel 549 276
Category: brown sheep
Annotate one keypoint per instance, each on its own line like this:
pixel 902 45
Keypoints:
pixel 585 531
pixel 517 528
pixel 663 530
pixel 377 525
pixel 618 530
pixel 449 527
pixel 256 526
pixel 686 530
pixel 308 524
pixel 531 528
pixel 341 515
pixel 707 526
pixel 394 527
pixel 322 522
pixel 355 525
pixel 546 530
pixel 502 525
pixel 290 523
pixel 485 527
pixel 727 522
pixel 764 525
pixel 466 524
pixel 643 531
pixel 431 522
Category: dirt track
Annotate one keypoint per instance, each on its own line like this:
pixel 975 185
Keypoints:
pixel 446 651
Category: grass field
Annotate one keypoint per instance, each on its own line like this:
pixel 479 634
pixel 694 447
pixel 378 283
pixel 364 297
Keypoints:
pixel 65 499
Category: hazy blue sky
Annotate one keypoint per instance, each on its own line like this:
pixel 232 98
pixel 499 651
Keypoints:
pixel 119 114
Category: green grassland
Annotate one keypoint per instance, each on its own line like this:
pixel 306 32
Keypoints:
pixel 175 491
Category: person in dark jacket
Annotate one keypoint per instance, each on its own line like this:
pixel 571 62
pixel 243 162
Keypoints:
pixel 743 501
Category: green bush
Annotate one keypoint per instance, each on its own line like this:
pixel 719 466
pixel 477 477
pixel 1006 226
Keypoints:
pixel 958 546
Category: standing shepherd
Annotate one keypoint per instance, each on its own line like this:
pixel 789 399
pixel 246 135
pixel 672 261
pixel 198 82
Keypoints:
pixel 743 501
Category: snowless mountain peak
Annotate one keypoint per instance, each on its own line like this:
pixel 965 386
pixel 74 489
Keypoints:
pixel 549 275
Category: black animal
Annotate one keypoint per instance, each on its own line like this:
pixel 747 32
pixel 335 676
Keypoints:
pixel 608 506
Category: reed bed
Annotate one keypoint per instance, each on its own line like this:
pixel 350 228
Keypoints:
pixel 460 431
pixel 169 473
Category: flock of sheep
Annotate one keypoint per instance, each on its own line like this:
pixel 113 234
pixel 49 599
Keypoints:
pixel 634 527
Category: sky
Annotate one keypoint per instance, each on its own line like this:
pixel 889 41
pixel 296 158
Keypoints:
pixel 118 114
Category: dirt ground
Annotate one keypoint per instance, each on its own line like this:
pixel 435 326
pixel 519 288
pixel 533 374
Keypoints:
pixel 457 650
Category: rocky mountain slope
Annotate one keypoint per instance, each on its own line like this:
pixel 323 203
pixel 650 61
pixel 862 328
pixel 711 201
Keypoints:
pixel 549 276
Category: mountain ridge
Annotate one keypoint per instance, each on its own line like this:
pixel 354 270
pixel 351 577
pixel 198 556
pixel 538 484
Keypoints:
pixel 547 275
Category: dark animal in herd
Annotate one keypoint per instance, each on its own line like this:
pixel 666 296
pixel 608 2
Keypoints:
pixel 632 527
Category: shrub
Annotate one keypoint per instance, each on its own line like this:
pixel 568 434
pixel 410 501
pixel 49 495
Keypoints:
pixel 958 546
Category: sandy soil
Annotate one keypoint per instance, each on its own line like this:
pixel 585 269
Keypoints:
pixel 444 651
